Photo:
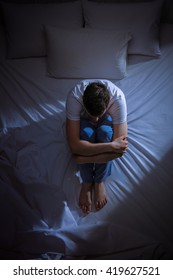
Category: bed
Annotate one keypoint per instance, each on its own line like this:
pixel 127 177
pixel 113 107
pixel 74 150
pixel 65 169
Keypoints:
pixel 44 53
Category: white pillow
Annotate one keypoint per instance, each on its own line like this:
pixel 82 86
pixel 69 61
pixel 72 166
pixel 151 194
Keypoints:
pixel 86 53
pixel 24 25
pixel 141 19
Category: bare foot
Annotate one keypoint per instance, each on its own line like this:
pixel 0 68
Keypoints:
pixel 85 200
pixel 100 195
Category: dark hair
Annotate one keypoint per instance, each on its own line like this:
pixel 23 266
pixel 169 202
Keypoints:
pixel 96 98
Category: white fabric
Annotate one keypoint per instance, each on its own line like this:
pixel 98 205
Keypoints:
pixel 117 108
pixel 39 216
pixel 86 53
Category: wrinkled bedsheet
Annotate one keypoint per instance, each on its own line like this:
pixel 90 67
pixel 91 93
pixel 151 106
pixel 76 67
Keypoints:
pixel 39 180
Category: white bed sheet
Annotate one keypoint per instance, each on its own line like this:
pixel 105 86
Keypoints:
pixel 39 183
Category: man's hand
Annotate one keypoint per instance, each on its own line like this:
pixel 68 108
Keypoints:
pixel 120 144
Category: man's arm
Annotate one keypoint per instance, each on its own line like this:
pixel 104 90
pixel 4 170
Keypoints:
pixel 85 148
pixel 120 130
pixel 100 158
pixel 82 147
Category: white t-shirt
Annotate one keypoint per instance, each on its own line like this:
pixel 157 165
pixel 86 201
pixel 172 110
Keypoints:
pixel 117 108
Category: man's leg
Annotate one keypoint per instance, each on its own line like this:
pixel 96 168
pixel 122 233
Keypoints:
pixel 102 170
pixel 87 132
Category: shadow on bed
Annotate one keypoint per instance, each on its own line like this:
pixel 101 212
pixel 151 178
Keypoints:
pixel 147 210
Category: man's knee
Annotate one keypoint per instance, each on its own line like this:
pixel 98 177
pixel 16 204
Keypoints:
pixel 88 134
pixel 104 133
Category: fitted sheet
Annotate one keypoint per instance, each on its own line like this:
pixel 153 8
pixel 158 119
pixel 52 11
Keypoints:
pixel 39 180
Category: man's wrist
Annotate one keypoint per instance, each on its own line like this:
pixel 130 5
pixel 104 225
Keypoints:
pixel 111 147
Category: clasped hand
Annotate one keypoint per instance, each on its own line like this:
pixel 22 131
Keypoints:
pixel 120 144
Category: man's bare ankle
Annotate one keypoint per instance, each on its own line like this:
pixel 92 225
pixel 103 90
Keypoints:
pixel 100 195
pixel 85 199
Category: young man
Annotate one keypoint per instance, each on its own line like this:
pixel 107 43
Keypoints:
pixel 97 134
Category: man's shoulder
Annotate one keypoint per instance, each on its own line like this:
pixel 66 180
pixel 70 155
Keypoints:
pixel 114 90
pixel 79 88
pixel 110 85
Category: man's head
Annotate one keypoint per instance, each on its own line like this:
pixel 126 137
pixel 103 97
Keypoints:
pixel 96 99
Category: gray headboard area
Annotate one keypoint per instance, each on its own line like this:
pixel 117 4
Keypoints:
pixel 167 13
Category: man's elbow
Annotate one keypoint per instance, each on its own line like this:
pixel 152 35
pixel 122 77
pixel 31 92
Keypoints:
pixel 119 155
pixel 74 149
pixel 78 159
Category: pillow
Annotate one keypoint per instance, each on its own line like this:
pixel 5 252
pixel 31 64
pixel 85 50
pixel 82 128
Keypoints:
pixel 24 25
pixel 141 19
pixel 86 53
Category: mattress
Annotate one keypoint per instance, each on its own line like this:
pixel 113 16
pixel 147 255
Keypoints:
pixel 39 179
